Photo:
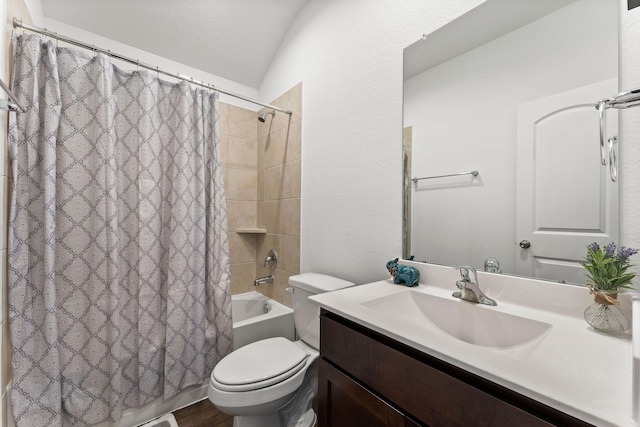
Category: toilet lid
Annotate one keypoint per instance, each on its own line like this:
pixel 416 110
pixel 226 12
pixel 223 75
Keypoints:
pixel 259 364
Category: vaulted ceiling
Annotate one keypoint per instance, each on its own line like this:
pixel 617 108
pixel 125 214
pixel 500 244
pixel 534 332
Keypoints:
pixel 233 39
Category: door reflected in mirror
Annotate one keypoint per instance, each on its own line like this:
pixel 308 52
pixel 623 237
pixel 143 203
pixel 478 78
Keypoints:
pixel 509 90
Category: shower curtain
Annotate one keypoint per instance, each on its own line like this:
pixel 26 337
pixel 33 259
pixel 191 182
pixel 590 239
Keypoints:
pixel 118 251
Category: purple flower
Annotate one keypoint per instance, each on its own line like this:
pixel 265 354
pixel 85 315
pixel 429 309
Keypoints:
pixel 625 253
pixel 606 270
pixel 609 250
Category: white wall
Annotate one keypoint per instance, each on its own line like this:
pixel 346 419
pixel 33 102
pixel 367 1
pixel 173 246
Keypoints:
pixel 464 117
pixel 348 54
pixel 629 147
pixel 35 11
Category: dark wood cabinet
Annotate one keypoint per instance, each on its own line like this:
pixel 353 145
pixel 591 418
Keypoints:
pixel 353 405
pixel 368 379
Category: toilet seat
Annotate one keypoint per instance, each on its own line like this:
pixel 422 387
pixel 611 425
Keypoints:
pixel 258 365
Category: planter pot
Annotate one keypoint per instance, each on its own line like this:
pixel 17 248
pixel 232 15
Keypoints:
pixel 604 315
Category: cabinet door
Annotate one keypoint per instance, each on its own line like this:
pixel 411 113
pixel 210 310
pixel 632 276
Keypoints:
pixel 344 402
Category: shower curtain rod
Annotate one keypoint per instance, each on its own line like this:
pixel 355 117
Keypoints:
pixel 17 23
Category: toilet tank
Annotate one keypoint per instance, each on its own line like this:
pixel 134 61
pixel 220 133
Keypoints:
pixel 306 314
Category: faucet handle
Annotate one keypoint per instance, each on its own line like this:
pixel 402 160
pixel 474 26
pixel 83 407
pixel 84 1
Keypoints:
pixel 272 259
pixel 470 289
pixel 464 273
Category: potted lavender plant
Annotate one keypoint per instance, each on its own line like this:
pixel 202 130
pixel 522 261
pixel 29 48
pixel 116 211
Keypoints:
pixel 607 274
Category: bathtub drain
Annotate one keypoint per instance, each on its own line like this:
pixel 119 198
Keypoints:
pixel 266 308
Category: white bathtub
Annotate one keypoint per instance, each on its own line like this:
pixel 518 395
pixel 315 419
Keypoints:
pixel 255 317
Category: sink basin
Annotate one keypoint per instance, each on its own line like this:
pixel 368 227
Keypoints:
pixel 469 322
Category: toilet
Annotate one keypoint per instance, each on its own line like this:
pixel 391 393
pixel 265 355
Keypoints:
pixel 255 382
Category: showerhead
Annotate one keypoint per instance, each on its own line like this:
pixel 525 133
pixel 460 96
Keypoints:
pixel 263 117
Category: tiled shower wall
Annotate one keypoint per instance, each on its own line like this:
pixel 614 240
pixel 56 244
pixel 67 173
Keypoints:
pixel 262 181
pixel 279 192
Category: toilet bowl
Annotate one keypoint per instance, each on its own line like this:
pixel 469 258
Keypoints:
pixel 255 382
pixel 281 367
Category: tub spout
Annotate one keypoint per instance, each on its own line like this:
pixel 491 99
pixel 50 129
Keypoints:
pixel 261 280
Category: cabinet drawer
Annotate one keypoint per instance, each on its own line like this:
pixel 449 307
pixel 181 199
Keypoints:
pixel 432 391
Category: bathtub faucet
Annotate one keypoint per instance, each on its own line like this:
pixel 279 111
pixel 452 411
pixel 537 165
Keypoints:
pixel 261 280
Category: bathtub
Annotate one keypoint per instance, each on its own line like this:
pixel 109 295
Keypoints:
pixel 255 317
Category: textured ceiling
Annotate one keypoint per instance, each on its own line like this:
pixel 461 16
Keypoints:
pixel 234 39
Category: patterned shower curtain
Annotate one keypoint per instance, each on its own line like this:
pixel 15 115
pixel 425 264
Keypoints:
pixel 118 252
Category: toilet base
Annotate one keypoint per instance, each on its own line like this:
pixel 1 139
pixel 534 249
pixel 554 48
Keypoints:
pixel 307 420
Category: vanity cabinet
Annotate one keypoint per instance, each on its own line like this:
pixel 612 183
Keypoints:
pixel 368 379
pixel 352 404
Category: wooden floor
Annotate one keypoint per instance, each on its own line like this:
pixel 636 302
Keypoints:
pixel 202 414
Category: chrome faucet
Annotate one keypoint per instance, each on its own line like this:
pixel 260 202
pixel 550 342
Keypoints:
pixel 262 280
pixel 469 289
pixel 492 265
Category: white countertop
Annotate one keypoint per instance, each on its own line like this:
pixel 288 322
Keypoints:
pixel 571 368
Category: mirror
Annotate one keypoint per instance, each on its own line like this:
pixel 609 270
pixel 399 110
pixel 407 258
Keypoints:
pixel 474 90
